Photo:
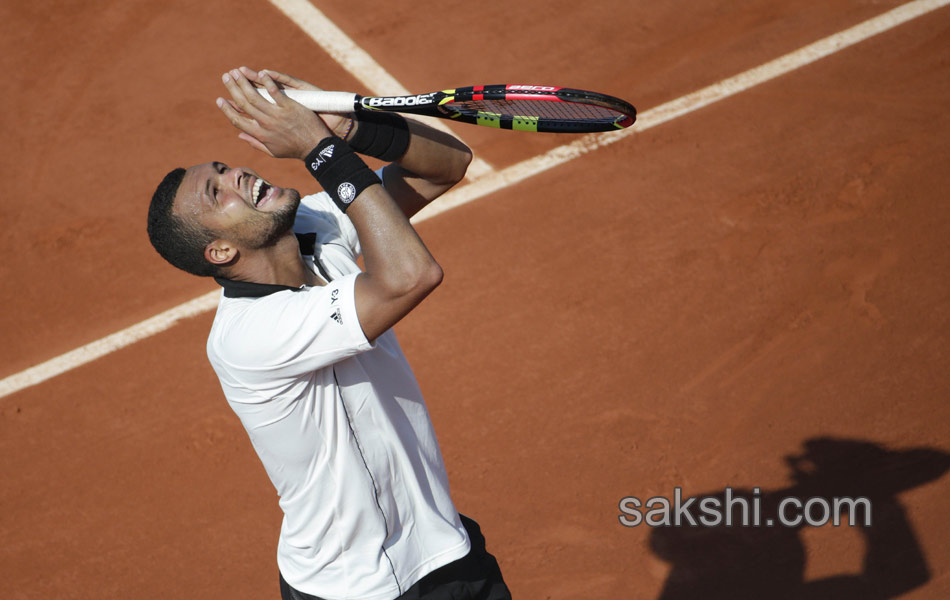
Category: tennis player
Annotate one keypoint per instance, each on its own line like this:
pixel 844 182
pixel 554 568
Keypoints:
pixel 303 347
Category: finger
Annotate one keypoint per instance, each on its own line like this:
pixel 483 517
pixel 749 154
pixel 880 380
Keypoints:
pixel 238 99
pixel 251 75
pixel 282 78
pixel 255 143
pixel 247 85
pixel 236 109
pixel 289 81
pixel 239 120
pixel 245 96
pixel 280 98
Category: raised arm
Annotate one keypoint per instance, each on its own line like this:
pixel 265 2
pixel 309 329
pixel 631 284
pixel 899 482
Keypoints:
pixel 434 162
pixel 399 270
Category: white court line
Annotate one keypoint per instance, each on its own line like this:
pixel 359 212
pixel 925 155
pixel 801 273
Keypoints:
pixel 357 61
pixel 110 343
pixel 681 106
pixel 508 176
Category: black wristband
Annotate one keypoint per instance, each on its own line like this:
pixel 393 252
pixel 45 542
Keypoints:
pixel 341 173
pixel 382 135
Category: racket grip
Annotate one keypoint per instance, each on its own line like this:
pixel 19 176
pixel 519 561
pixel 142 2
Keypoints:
pixel 321 102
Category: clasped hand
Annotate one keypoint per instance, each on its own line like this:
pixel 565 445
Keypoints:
pixel 284 128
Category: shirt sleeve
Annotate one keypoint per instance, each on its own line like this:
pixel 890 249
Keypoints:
pixel 270 341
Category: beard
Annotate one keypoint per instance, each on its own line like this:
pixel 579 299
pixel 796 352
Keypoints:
pixel 266 229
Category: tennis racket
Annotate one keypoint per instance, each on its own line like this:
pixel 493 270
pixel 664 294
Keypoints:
pixel 521 107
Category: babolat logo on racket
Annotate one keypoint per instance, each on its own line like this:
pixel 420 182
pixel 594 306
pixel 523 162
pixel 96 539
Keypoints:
pixel 533 88
pixel 322 157
pixel 400 100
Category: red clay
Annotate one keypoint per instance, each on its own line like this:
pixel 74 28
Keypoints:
pixel 684 308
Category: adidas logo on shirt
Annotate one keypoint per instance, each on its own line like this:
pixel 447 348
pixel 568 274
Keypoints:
pixel 337 316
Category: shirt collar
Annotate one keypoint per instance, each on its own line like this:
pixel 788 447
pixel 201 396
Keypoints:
pixel 249 289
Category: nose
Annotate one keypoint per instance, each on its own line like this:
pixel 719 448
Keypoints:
pixel 235 177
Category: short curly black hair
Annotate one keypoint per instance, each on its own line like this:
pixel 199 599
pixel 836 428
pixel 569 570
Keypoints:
pixel 177 240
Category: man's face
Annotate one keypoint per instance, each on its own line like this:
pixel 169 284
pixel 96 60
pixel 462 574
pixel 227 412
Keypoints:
pixel 236 204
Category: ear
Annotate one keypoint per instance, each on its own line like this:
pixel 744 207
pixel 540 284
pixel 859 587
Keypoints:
pixel 220 252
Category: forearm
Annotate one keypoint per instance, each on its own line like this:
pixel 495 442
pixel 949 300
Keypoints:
pixel 435 156
pixel 399 270
pixel 393 254
pixel 433 162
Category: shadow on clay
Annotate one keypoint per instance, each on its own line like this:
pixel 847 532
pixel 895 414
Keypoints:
pixel 769 562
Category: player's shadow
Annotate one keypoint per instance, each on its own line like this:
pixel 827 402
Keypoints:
pixel 769 562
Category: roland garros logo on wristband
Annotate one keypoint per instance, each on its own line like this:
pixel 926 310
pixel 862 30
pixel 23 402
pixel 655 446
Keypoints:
pixel 346 192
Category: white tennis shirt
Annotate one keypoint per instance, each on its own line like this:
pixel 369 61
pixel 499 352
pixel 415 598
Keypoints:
pixel 339 424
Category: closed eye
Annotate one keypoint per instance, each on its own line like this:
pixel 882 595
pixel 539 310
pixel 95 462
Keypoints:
pixel 220 168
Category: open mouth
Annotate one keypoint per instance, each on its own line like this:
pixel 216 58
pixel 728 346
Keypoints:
pixel 259 191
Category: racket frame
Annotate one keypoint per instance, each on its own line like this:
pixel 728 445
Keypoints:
pixel 440 104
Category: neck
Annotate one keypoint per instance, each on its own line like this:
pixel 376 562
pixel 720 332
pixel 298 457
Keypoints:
pixel 279 264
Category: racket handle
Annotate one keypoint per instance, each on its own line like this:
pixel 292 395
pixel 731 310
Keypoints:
pixel 321 102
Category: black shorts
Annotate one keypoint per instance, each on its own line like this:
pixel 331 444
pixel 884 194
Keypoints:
pixel 475 576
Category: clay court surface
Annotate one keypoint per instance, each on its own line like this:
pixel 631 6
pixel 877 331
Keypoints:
pixel 762 278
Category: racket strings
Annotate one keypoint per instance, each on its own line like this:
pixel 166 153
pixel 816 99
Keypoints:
pixel 544 109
